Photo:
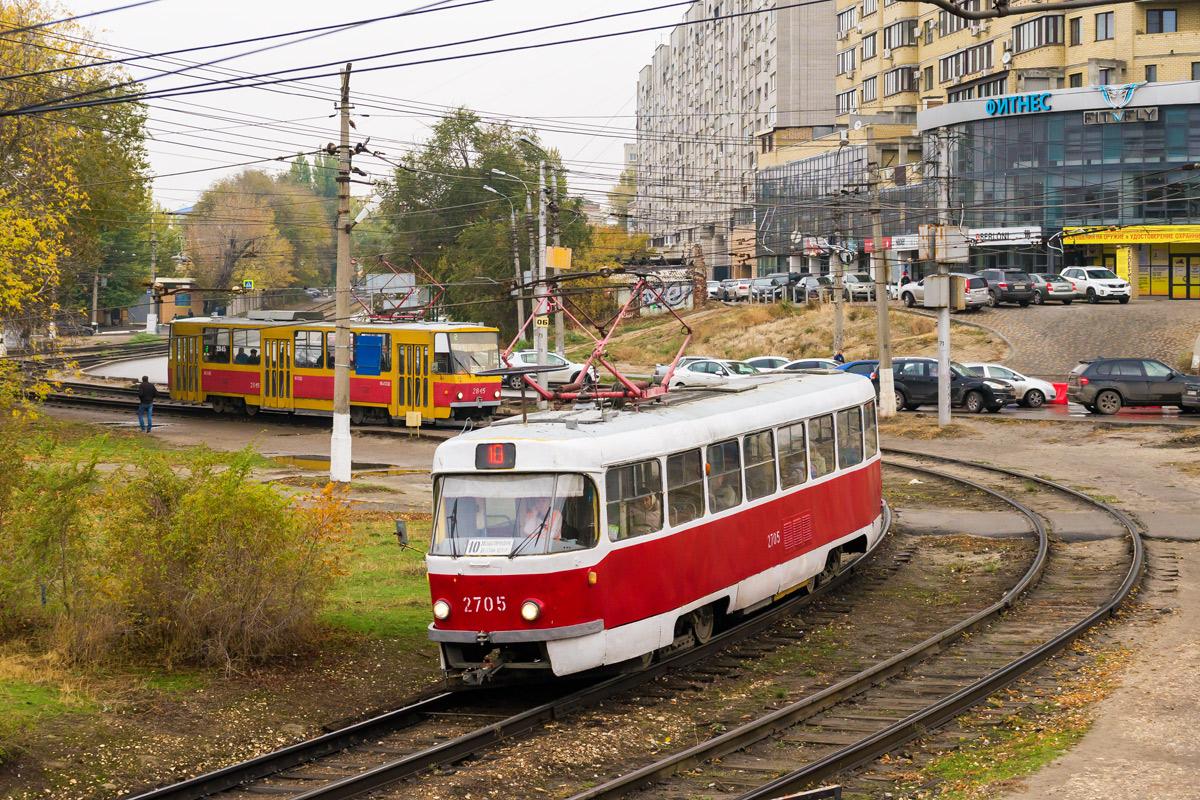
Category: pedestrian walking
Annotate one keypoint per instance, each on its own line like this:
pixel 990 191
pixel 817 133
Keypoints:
pixel 145 410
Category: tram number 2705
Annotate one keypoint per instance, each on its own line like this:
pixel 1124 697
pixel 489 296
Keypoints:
pixel 477 603
pixel 773 539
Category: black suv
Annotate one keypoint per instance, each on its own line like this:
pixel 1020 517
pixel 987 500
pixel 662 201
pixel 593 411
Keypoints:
pixel 1008 286
pixel 1106 384
pixel 916 381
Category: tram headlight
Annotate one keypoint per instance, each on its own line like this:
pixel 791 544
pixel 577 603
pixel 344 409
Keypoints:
pixel 497 394
pixel 441 609
pixel 531 610
pixel 459 395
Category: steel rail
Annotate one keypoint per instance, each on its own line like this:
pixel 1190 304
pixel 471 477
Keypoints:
pixel 946 709
pixel 486 737
pixel 794 713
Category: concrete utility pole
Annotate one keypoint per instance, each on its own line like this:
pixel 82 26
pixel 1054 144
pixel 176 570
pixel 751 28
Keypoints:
pixel 887 386
pixel 95 300
pixel 516 252
pixel 540 326
pixel 153 314
pixel 559 334
pixel 839 272
pixel 339 442
pixel 943 327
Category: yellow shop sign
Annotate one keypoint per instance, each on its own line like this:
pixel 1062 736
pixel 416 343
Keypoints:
pixel 1132 234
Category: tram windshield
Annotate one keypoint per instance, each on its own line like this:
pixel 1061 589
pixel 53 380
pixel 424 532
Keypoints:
pixel 474 352
pixel 514 515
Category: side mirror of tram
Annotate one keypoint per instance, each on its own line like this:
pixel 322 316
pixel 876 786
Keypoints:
pixel 402 532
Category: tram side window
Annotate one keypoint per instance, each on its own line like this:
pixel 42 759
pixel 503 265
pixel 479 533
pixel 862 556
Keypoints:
pixel 634 499
pixel 760 464
pixel 685 486
pixel 822 458
pixel 246 344
pixel 870 429
pixel 793 458
pixel 216 345
pixel 724 475
pixel 850 437
pixel 308 349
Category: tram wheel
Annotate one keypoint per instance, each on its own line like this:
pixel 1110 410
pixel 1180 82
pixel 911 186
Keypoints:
pixel 833 565
pixel 250 409
pixel 703 621
pixel 358 415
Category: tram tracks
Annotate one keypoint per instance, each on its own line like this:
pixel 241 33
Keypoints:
pixel 1071 587
pixel 846 724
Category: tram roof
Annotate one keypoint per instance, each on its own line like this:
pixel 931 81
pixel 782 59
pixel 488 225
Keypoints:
pixel 382 327
pixel 687 418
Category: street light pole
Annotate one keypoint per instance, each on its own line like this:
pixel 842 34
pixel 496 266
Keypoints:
pixel 532 238
pixel 516 254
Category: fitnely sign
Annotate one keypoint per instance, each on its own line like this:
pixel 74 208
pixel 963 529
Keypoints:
pixel 1018 104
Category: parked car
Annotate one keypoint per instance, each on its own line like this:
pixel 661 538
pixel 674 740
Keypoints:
pixel 714 290
pixel 913 292
pixel 710 372
pixel 660 370
pixel 812 287
pixel 1008 286
pixel 858 286
pixel 733 289
pixel 916 384
pixel 567 372
pixel 1029 392
pixel 313 293
pixel 1106 385
pixel 765 363
pixel 1191 398
pixel 1047 286
pixel 1097 283
pixel 862 367
pixel 767 289
pixel 810 363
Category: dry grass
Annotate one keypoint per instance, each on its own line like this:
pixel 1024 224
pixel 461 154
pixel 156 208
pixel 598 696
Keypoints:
pixel 922 427
pixel 745 331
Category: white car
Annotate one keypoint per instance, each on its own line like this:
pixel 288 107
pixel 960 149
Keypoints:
pixel 1097 283
pixel 809 363
pixel 765 363
pixel 913 292
pixel 1029 392
pixel 858 286
pixel 567 372
pixel 710 372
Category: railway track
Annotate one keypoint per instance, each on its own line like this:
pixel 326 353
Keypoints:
pixel 1073 584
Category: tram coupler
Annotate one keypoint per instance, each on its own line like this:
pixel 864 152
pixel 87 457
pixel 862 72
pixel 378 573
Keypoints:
pixel 481 675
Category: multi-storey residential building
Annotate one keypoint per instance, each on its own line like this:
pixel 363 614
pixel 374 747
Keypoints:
pixel 707 91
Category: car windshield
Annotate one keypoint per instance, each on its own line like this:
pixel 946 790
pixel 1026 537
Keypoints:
pixel 514 515
pixel 741 368
pixel 1101 274
pixel 860 277
pixel 956 368
pixel 474 352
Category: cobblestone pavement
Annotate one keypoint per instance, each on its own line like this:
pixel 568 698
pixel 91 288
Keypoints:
pixel 1049 340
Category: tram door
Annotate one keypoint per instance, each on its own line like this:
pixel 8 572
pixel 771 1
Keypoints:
pixel 1185 277
pixel 412 385
pixel 277 373
pixel 185 368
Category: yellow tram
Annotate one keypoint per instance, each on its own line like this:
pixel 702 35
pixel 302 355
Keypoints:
pixel 283 361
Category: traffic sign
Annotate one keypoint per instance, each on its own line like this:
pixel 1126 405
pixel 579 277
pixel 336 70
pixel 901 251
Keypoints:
pixel 247 284
pixel 558 257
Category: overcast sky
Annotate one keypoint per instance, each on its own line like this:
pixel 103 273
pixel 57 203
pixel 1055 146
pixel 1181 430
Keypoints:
pixel 582 85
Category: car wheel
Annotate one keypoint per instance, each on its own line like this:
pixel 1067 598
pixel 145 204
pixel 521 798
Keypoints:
pixel 1108 402
pixel 901 400
pixel 1037 298
pixel 1066 302
pixel 1091 296
pixel 973 402
pixel 909 302
pixel 1122 300
pixel 1034 398
pixel 992 301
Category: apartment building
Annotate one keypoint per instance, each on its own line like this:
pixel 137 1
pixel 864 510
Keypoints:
pixel 708 90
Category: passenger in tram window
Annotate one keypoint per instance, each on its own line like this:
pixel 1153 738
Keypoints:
pixel 645 515
pixel 725 495
pixel 819 466
pixel 538 514
pixel 241 357
pixel 253 358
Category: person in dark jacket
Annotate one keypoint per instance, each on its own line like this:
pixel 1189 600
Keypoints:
pixel 145 410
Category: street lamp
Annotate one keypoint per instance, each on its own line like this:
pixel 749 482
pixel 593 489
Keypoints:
pixel 516 256
pixel 533 243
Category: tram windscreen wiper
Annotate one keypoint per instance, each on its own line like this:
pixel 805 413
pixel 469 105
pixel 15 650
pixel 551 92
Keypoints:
pixel 534 535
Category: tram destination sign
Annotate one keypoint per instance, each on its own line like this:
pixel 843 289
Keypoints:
pixel 1119 116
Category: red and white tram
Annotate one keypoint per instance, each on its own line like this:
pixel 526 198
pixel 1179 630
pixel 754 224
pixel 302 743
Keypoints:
pixel 585 538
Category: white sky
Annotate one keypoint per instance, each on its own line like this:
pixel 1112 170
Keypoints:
pixel 594 82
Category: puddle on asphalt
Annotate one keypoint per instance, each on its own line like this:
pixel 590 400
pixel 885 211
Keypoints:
pixel 321 464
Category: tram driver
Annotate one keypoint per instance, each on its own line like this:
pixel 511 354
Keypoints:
pixel 539 515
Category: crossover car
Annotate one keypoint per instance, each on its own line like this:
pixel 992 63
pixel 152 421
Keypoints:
pixel 858 286
pixel 813 287
pixel 1008 286
pixel 1097 283
pixel 1049 287
pixel 916 384
pixel 1029 392
pixel 1106 385
pixel 976 292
